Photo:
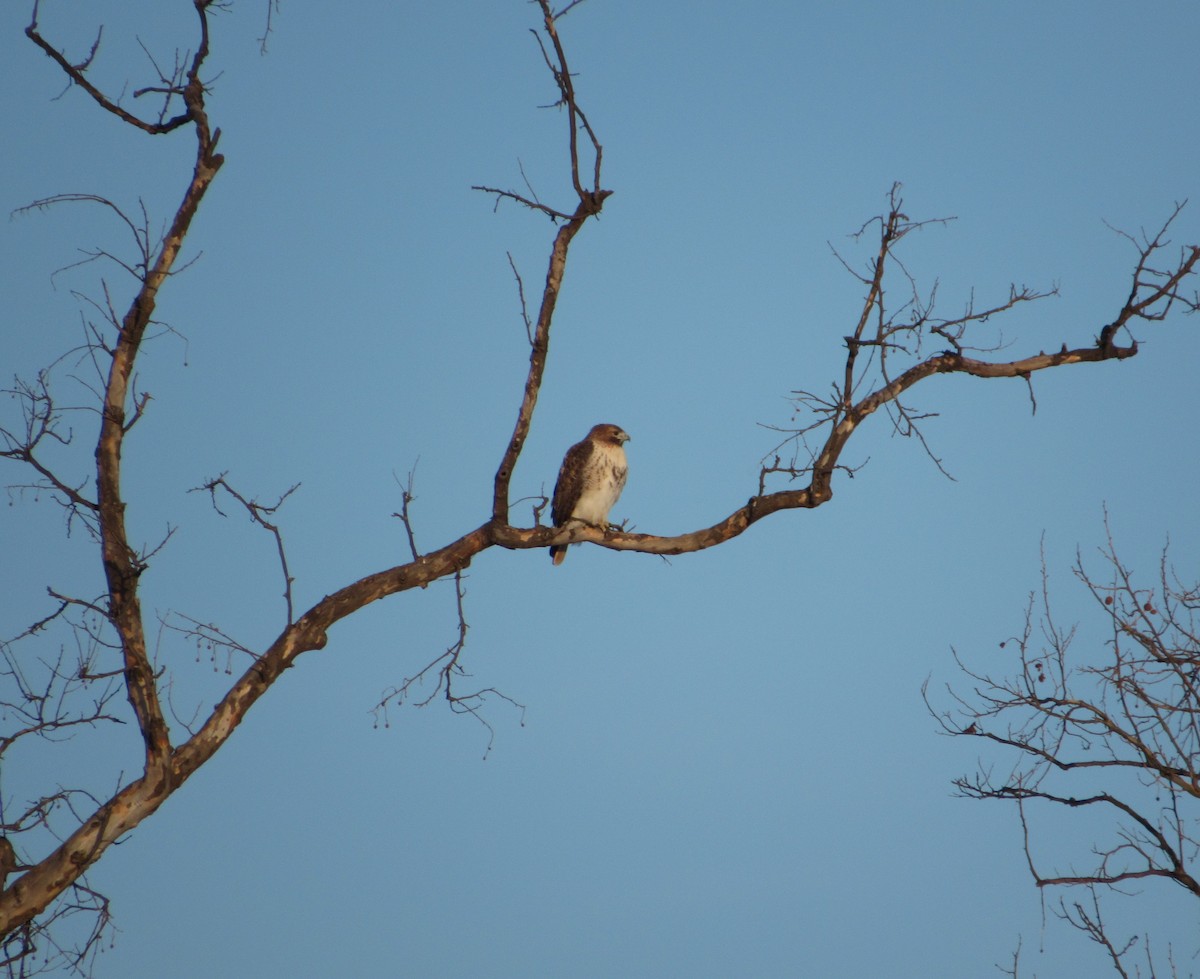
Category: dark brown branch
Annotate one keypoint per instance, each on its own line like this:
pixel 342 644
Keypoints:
pixel 1173 869
pixel 272 8
pixel 49 708
pixel 1153 293
pixel 444 668
pixel 1091 923
pixel 521 296
pixel 533 205
pixel 258 512
pixel 563 11
pixel 41 417
pixel 77 74
pixel 406 499
pixel 576 118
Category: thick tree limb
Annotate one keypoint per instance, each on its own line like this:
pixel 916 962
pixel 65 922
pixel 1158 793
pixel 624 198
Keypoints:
pixel 122 566
pixel 33 891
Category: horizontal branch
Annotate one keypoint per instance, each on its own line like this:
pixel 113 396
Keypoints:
pixel 1174 870
pixel 819 490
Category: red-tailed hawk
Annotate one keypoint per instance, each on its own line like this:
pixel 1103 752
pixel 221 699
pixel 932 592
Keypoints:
pixel 591 478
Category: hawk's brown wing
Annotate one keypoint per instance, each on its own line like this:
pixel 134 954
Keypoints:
pixel 570 481
pixel 568 489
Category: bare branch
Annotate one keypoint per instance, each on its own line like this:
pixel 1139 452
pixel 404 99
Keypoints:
pixel 1116 734
pixel 521 296
pixel 48 708
pixel 533 205
pixel 1091 922
pixel 443 671
pixel 42 424
pixel 406 498
pixel 1154 292
pixel 258 512
pixel 76 73
pixel 591 200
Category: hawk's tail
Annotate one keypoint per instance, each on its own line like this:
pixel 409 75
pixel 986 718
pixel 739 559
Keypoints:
pixel 558 554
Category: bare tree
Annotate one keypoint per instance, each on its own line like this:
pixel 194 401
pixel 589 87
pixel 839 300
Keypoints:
pixel 1114 734
pixel 111 677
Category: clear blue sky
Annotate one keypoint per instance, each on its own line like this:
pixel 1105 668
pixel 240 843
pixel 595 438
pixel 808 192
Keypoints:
pixel 725 767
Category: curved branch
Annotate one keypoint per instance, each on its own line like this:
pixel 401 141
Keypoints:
pixel 820 489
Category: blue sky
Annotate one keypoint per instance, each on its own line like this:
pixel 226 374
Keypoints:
pixel 725 766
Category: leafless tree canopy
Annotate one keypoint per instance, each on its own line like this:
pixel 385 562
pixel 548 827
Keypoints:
pixel 108 677
pixel 1111 733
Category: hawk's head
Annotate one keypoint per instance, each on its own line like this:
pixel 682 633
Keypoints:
pixel 609 433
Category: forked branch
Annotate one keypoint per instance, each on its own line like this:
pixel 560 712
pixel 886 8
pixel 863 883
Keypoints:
pixel 258 512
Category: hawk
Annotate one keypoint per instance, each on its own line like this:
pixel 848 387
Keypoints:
pixel 591 478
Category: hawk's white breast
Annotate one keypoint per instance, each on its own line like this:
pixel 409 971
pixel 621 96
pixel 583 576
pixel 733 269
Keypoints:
pixel 603 479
